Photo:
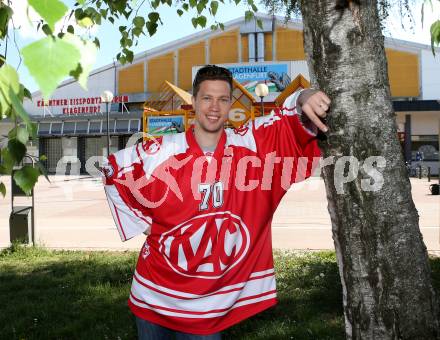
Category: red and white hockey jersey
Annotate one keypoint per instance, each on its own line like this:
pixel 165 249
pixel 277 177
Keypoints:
pixel 207 261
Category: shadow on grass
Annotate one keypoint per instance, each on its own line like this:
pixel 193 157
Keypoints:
pixel 66 295
pixel 310 301
pixel 83 295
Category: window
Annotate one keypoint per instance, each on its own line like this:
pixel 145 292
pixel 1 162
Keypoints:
pixel 95 127
pixel 69 127
pixel 81 127
pixel 43 128
pixel 134 125
pixel 122 125
pixel 56 128
pixel 111 124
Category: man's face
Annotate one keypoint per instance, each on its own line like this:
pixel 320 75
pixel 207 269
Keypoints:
pixel 212 105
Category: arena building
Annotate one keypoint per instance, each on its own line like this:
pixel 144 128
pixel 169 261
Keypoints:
pixel 72 125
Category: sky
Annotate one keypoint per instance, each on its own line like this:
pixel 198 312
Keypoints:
pixel 176 27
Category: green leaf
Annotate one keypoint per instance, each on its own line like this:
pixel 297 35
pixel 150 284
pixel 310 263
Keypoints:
pixel 8 83
pixel 97 19
pixel 12 133
pixel 32 129
pixel 5 16
pixel 49 61
pixel 128 55
pixel 193 3
pixel 9 79
pixel 26 178
pixel 7 162
pixel 97 43
pixel 71 29
pixel 27 93
pixel 86 22
pixel 435 35
pixel 153 16
pixel 103 13
pixel 79 13
pixel 151 27
pixel 248 15
pixel 50 10
pixel 155 3
pixel 202 21
pixel 122 60
pixel 185 7
pixel 260 23
pixel 200 7
pixel 179 12
pixel 42 169
pixel 22 135
pixel 137 31
pixel 194 22
pixel 21 113
pixel 2 189
pixel 139 22
pixel 214 7
pixel 43 158
pixel 17 150
pixel 88 56
pixel 46 29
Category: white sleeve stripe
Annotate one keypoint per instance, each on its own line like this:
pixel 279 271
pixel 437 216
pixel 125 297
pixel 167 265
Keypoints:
pixel 119 225
pixel 127 220
pixel 137 212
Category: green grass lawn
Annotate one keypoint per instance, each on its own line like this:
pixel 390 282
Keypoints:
pixel 83 295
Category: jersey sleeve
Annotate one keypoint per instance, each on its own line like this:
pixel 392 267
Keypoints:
pixel 286 134
pixel 122 171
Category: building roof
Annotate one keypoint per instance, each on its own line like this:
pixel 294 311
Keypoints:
pixel 416 105
pixel 236 23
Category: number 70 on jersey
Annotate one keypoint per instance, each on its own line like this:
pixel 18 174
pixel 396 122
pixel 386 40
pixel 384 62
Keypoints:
pixel 211 194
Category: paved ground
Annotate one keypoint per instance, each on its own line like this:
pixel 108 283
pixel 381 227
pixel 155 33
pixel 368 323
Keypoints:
pixel 72 213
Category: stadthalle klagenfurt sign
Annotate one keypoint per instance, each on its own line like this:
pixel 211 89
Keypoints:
pixel 81 105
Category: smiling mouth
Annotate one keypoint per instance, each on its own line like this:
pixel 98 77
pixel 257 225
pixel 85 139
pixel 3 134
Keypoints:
pixel 213 118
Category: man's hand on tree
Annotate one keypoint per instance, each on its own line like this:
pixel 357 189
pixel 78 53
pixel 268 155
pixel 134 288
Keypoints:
pixel 315 104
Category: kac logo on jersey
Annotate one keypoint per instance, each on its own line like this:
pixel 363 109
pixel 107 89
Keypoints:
pixel 108 170
pixel 206 246
pixel 153 147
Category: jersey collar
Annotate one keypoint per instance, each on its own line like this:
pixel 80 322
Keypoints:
pixel 195 148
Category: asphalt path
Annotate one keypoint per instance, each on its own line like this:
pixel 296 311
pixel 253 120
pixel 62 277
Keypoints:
pixel 72 213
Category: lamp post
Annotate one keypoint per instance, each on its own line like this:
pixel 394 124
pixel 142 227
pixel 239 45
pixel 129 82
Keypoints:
pixel 262 90
pixel 107 97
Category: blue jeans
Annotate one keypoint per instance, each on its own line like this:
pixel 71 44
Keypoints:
pixel 151 331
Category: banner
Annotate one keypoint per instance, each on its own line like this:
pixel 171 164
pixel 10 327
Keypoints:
pixel 276 76
pixel 164 125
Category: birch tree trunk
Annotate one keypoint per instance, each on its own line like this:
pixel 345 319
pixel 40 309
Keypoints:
pixel 383 262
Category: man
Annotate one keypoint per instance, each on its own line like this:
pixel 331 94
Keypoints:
pixel 206 198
